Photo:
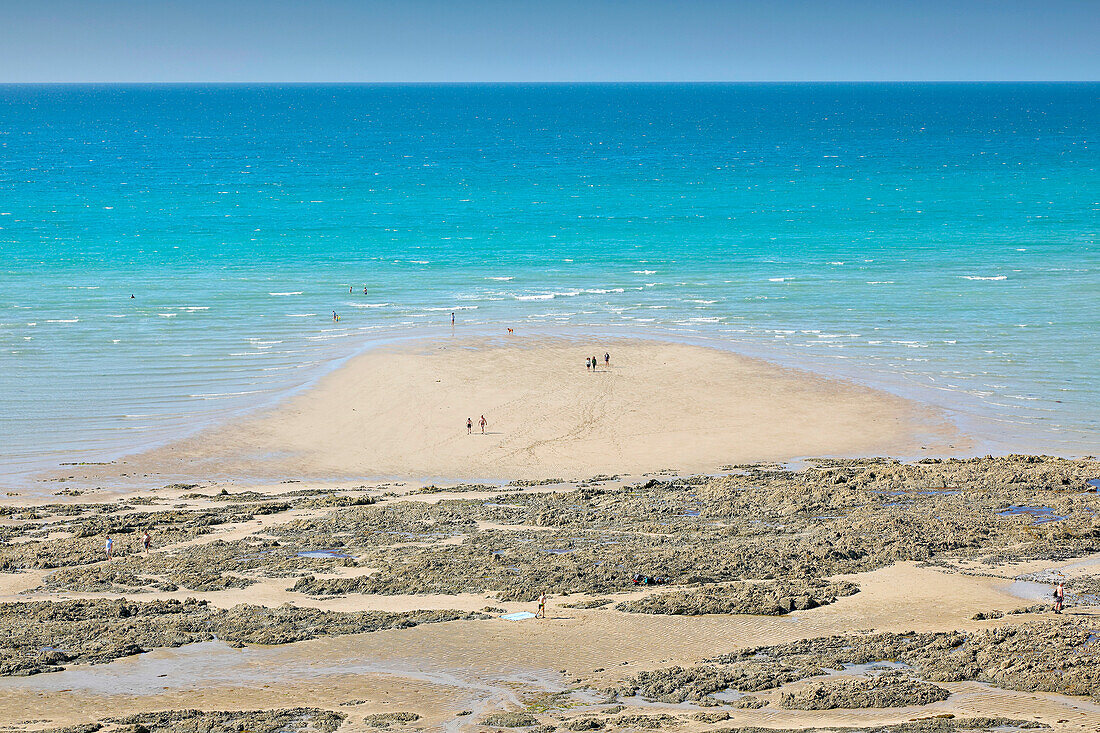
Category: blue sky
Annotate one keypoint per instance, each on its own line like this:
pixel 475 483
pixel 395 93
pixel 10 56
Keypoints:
pixel 549 40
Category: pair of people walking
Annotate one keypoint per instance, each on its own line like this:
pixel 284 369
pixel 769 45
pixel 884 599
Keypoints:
pixel 470 425
pixel 109 544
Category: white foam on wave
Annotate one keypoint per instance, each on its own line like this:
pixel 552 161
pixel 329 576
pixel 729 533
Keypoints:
pixel 777 279
pixel 190 308
pixel 980 277
pixel 644 272
pixel 63 320
pixel 501 279
pixel 296 292
pixel 369 305
pixel 604 291
pixel 167 315
pixel 880 282
pixel 300 315
pixel 544 296
pixel 453 308
pixel 223 395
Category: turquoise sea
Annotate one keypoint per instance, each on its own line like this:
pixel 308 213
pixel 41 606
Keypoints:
pixel 939 240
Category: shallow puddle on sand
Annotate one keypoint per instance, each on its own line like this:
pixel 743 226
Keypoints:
pixel 212 664
pixel 1031 590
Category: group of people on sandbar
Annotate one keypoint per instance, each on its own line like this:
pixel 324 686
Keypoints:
pixel 591 363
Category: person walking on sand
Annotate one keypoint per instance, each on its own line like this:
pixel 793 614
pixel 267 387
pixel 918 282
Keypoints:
pixel 606 359
pixel 594 363
pixel 541 613
pixel 109 546
pixel 587 364
pixel 1059 597
pixel 482 423
pixel 469 426
pixel 145 540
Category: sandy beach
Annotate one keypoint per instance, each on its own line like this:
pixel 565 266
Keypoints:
pixel 353 560
pixel 401 411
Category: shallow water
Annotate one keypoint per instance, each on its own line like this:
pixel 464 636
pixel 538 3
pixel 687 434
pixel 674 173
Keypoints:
pixel 939 238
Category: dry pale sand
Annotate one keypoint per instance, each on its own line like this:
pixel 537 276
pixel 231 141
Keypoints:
pixel 402 410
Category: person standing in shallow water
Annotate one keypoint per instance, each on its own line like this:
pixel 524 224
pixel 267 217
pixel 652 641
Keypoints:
pixel 1059 597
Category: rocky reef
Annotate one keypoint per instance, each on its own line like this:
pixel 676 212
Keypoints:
pixel 1052 655
pixel 41 636
pixel 766 598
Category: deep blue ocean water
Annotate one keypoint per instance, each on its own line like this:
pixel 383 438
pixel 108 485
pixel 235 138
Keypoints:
pixel 939 239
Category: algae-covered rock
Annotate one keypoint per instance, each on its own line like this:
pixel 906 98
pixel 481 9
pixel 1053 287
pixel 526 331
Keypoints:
pixel 889 690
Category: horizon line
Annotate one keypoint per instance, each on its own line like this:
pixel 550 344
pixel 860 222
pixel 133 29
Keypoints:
pixel 544 82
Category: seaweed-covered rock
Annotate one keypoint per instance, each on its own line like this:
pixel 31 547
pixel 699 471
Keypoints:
pixel 292 720
pixel 40 636
pixel 889 690
pixel 509 720
pixel 766 598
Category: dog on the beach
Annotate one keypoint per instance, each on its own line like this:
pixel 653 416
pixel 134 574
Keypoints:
pixel 510 330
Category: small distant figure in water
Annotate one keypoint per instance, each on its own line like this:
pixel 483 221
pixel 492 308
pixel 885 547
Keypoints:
pixel 145 541
pixel 482 423
pixel 109 546
pixel 335 317
pixel 606 359
pixel 469 426
pixel 1059 597
pixel 364 290
pixel 542 606
pixel 131 296
pixel 587 364
pixel 452 318
pixel 351 289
